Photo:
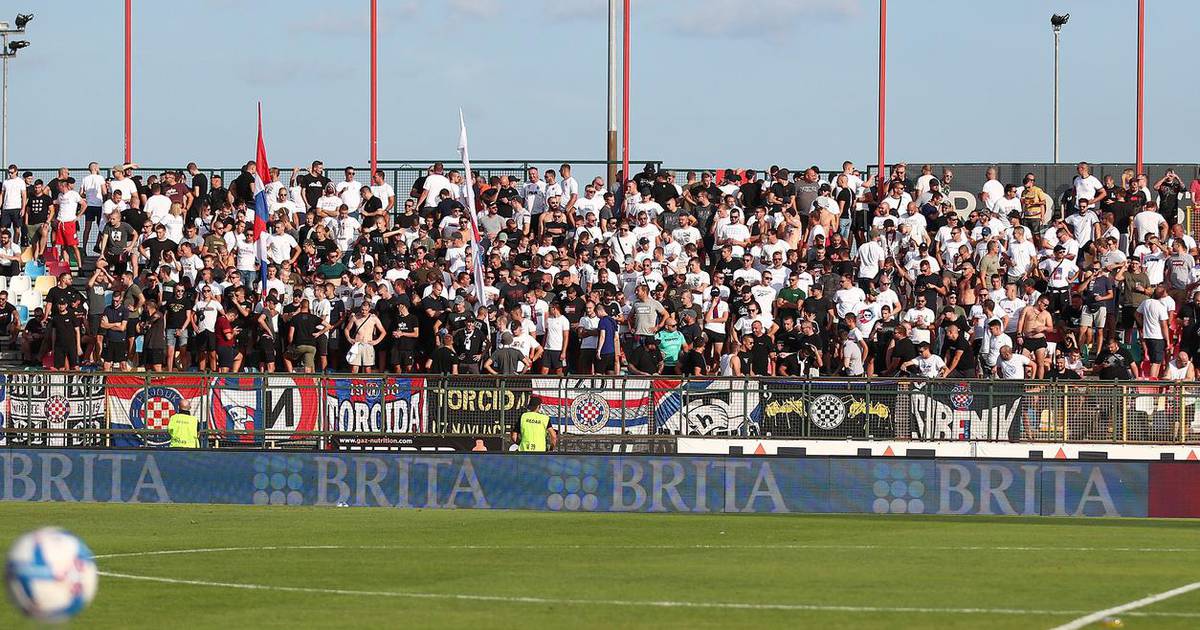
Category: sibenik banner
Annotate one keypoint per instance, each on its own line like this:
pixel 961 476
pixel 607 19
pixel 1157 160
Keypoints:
pixel 582 483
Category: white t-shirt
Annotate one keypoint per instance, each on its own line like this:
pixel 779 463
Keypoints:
pixel 280 247
pixel 384 192
pixel 126 186
pixel 157 207
pixel 589 324
pixel 1005 206
pixel 1013 368
pixel 556 333
pixel 13 188
pixel 995 192
pixel 1022 254
pixel 207 311
pixel 1086 188
pixel 68 206
pixel 247 253
pixel 351 194
pixel 929 367
pixel 93 189
pixel 1147 222
pixel 1153 312
pixel 847 300
pixel 434 185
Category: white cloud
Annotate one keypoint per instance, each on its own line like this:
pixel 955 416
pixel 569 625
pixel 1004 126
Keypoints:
pixel 758 18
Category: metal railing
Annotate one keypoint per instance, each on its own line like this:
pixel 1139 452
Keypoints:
pixel 295 411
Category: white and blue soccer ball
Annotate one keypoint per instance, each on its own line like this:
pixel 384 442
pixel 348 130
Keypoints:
pixel 51 575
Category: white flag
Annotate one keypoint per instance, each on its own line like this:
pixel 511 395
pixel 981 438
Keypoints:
pixel 469 193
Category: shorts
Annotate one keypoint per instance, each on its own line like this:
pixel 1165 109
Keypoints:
pixel 1156 350
pixel 714 336
pixel 1033 344
pixel 306 354
pixel 226 356
pixel 605 363
pixel 552 359
pixel 62 355
pixel 131 328
pixel 1093 317
pixel 587 357
pixel 114 352
pixel 266 350
pixel 401 358
pixel 206 341
pixel 92 213
pixel 32 230
pixel 176 338
pixel 322 346
pixel 65 233
pixel 154 356
pixel 365 355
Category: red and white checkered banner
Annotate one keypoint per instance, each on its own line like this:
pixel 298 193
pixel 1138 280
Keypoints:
pixel 148 404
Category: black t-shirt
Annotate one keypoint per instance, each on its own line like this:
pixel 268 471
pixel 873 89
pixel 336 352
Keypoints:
pixel 662 192
pixel 690 360
pixel 504 198
pixel 1114 365
pixel 752 196
pixel 784 191
pixel 58 295
pixel 156 248
pixel 200 180
pixel 304 327
pixel 407 323
pixel 218 198
pixel 442 360
pixel 135 218
pixel 903 351
pixel 845 198
pixel 39 208
pixel 313 186
pixel 966 363
pixel 645 359
pixel 819 307
pixel 64 327
pixel 177 312
pixel 243 188
pixel 371 205
pixel 1066 375
pixel 7 312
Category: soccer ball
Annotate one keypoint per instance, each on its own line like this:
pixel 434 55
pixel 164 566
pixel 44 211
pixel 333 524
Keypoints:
pixel 51 575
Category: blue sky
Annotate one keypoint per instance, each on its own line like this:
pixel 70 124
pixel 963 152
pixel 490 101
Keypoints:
pixel 715 82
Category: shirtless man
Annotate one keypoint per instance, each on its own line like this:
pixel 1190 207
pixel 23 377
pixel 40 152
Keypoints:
pixel 1035 322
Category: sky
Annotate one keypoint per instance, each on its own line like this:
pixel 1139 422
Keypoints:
pixel 714 82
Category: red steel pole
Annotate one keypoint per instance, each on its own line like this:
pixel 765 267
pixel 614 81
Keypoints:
pixel 882 86
pixel 374 86
pixel 128 81
pixel 625 100
pixel 1141 79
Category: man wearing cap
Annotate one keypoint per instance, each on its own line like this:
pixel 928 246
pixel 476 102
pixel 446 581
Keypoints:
pixel 646 359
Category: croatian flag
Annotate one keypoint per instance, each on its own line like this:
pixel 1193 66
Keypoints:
pixel 262 175
pixel 476 250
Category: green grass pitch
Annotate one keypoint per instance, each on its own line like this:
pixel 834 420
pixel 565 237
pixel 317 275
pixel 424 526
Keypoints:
pixel 381 568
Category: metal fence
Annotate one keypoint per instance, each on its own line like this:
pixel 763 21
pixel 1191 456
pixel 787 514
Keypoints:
pixel 368 412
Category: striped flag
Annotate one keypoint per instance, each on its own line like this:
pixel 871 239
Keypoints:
pixel 469 193
pixel 262 175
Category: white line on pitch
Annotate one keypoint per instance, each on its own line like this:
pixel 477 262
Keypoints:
pixel 612 602
pixel 768 546
pixel 1116 610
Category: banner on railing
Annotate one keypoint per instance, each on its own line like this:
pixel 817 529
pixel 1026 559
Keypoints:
pixel 247 409
pixel 948 410
pixel 147 405
pixel 711 407
pixel 600 406
pixel 40 401
pixel 473 405
pixel 378 405
pixel 829 409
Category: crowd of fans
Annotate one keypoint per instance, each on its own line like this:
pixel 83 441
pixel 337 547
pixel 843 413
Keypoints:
pixel 726 273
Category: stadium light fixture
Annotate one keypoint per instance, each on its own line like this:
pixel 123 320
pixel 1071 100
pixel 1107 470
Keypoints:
pixel 8 50
pixel 1057 22
pixel 23 20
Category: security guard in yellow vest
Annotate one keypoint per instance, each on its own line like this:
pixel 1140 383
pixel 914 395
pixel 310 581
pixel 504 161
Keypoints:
pixel 534 430
pixel 184 428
